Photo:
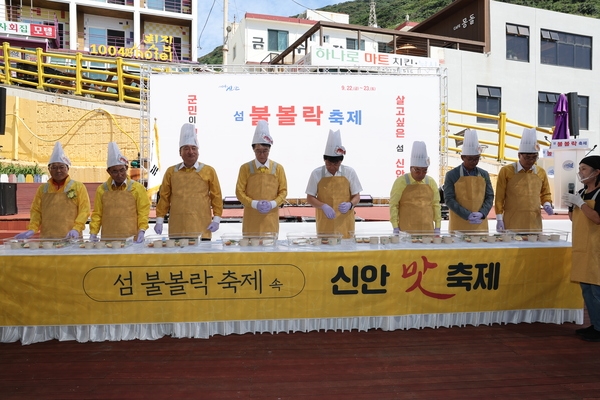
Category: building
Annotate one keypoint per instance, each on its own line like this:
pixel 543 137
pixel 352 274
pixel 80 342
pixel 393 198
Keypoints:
pixel 148 30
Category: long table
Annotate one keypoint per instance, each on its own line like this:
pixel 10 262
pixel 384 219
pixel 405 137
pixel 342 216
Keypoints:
pixel 143 293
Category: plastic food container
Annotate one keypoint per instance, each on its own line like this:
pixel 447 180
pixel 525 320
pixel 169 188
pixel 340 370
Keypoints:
pixel 99 243
pixel 429 237
pixel 36 244
pixel 484 237
pixel 267 239
pixel 375 238
pixel 544 236
pixel 313 239
pixel 170 242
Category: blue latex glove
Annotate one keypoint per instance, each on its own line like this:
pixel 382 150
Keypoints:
pixel 263 206
pixel 345 207
pixel 396 231
pixel 158 226
pixel 329 212
pixel 475 216
pixel 436 231
pixel 213 227
pixel 25 235
pixel 140 237
pixel 500 226
pixel 73 234
pixel 93 238
pixel 548 208
pixel 475 221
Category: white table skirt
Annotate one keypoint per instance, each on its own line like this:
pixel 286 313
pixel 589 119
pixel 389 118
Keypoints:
pixel 204 330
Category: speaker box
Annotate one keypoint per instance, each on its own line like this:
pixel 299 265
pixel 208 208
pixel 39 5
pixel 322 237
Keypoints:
pixel 8 198
pixel 573 112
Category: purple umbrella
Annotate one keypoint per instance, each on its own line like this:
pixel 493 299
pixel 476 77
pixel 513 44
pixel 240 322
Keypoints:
pixel 561 118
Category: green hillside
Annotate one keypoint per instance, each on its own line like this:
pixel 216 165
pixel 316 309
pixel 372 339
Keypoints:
pixel 391 13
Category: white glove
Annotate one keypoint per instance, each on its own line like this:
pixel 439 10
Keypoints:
pixel 329 212
pixel 345 207
pixel 158 226
pixel 25 235
pixel 499 225
pixel 140 236
pixel 574 199
pixel 396 231
pixel 263 206
pixel 93 237
pixel 436 231
pixel 548 208
pixel 73 234
pixel 213 227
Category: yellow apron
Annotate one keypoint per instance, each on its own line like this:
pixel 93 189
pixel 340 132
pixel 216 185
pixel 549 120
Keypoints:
pixel 522 202
pixel 58 212
pixel 261 186
pixel 190 211
pixel 334 190
pixel 586 247
pixel 415 208
pixel 119 213
pixel 470 193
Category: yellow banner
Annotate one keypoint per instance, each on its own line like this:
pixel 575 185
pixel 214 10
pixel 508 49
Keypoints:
pixel 217 286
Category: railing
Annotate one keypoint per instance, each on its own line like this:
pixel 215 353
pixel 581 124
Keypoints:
pixel 76 74
pixel 501 130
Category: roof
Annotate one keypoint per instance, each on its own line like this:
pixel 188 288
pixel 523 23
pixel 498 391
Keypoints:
pixel 280 19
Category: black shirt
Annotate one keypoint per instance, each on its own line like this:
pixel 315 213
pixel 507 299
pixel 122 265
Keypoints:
pixel 589 196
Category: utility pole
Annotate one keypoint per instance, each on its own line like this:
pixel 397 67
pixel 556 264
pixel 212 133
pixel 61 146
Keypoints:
pixel 372 15
pixel 225 30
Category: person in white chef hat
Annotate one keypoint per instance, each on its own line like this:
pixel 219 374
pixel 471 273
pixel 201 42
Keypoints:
pixel 521 189
pixel 468 191
pixel 121 206
pixel 334 190
pixel 61 206
pixel 190 193
pixel 261 185
pixel 415 197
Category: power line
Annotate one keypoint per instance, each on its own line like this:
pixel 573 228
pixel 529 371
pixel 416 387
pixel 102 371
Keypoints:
pixel 206 22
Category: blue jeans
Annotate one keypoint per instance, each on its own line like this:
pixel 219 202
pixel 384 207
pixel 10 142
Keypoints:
pixel 591 297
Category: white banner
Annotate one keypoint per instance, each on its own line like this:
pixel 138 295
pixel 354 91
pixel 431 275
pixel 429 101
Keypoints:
pixel 379 117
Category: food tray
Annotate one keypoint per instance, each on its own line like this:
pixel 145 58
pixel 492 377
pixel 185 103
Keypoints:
pixel 484 237
pixel 267 239
pixel 540 236
pixel 378 238
pixel 313 239
pixel 99 243
pixel 160 241
pixel 35 244
pixel 429 237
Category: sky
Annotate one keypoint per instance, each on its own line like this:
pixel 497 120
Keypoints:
pixel 210 22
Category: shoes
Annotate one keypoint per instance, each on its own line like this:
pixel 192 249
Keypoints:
pixel 591 336
pixel 583 331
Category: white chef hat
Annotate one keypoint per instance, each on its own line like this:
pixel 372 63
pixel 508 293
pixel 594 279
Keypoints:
pixel 529 142
pixel 418 156
pixel 261 133
pixel 334 147
pixel 114 156
pixel 470 145
pixel 187 137
pixel 58 155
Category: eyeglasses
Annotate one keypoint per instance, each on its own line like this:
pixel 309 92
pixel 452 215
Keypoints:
pixel 58 168
pixel 117 171
pixel 529 156
pixel 263 151
pixel 338 162
pixel 419 170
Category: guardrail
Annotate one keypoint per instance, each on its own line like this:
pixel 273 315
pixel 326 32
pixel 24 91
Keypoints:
pixel 76 74
pixel 501 130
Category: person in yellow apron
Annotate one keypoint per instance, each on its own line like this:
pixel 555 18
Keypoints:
pixel 521 188
pixel 261 186
pixel 415 198
pixel 334 190
pixel 61 206
pixel 584 211
pixel 190 192
pixel 468 191
pixel 121 206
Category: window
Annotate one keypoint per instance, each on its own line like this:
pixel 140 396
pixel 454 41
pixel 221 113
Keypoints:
pixel 546 102
pixel 566 49
pixel 385 47
pixel 517 42
pixel 488 102
pixel 278 40
pixel 115 38
pixel 351 44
